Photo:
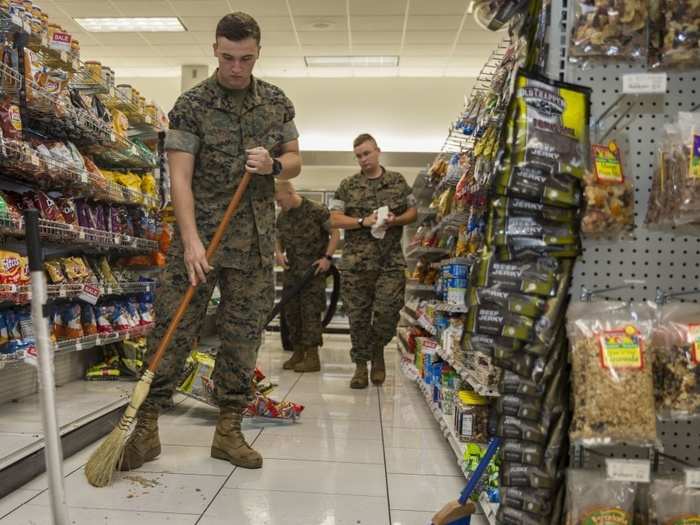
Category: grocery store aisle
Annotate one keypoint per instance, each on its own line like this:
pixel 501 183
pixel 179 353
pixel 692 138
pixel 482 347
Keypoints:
pixel 370 457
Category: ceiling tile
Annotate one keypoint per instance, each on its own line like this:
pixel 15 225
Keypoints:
pixel 425 50
pixel 279 38
pixel 430 37
pixel 376 23
pixel 280 51
pixel 375 49
pixel 117 39
pixel 334 23
pixel 433 23
pixel 202 37
pixel 474 50
pixel 440 7
pixel 200 23
pixel 169 38
pixel 318 7
pixel 216 9
pixel 378 7
pixel 287 62
pixel 180 51
pixel 86 9
pixel 376 37
pixel 150 8
pixel 275 23
pixel 259 8
pixel 326 50
pixel 107 52
pixel 312 38
pixel 479 36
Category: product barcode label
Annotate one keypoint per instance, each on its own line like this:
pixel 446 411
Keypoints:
pixel 692 478
pixel 634 470
pixel 644 83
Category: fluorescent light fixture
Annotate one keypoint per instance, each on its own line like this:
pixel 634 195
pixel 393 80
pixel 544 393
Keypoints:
pixel 127 24
pixel 352 61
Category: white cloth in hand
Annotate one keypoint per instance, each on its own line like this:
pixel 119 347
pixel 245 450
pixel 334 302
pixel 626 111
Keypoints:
pixel 380 227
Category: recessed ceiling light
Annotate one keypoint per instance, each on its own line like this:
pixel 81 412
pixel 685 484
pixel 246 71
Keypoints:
pixel 352 61
pixel 127 24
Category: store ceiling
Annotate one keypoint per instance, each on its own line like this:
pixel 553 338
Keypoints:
pixel 432 37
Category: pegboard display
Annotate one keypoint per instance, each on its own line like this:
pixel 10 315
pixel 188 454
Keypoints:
pixel 647 259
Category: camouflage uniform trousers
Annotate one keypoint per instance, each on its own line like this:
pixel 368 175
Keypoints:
pixel 303 313
pixel 246 299
pixel 372 300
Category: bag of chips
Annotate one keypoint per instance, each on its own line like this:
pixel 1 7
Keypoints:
pixel 72 321
pixel 68 210
pixel 104 315
pixel 54 269
pixel 592 498
pixel 88 320
pixel 10 267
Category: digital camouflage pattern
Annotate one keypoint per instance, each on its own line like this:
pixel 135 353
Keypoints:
pixel 372 270
pixel 213 124
pixel 217 126
pixel 357 196
pixel 303 233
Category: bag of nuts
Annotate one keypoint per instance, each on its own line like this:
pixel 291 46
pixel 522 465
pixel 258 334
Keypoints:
pixel 611 372
pixel 676 351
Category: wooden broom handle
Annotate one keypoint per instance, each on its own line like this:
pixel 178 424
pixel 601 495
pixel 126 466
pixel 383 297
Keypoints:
pixel 211 249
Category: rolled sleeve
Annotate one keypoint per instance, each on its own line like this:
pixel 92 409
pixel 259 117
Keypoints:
pixel 337 205
pixel 179 140
pixel 411 201
pixel 289 132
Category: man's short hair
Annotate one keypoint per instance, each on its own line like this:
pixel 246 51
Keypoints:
pixel 238 26
pixel 362 138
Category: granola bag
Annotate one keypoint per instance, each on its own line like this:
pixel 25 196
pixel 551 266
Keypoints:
pixel 676 352
pixel 612 379
pixel 593 499
pixel 673 503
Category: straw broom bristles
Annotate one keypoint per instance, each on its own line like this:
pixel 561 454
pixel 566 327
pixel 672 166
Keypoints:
pixel 104 461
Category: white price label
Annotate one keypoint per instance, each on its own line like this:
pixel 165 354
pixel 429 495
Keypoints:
pixel 78 345
pixel 62 292
pixel 692 478
pixel 644 83
pixel 17 20
pixel 64 56
pixel 81 234
pixel 634 470
pixel 90 293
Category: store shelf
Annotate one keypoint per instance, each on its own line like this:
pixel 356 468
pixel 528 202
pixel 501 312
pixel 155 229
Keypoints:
pixel 466 376
pixel 22 294
pixel 410 371
pixel 65 233
pixel 414 286
pixel 418 251
pixel 451 308
pixel 85 343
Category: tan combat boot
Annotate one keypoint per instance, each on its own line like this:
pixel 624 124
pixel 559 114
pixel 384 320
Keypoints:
pixel 297 357
pixel 378 373
pixel 311 362
pixel 144 444
pixel 229 443
pixel 360 379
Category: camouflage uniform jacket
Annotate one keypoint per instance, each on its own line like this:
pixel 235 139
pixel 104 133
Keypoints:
pixel 208 122
pixel 303 233
pixel 357 196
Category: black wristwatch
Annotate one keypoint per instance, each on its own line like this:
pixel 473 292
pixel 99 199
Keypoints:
pixel 361 222
pixel 329 257
pixel 276 167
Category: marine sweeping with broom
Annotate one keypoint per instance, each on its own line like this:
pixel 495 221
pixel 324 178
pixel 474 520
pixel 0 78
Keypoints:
pixel 232 132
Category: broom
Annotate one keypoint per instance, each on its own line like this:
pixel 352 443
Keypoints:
pixel 103 462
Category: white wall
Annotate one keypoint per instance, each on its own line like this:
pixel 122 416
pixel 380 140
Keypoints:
pixel 405 114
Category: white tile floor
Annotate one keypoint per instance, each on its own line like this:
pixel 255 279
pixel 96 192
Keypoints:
pixel 368 457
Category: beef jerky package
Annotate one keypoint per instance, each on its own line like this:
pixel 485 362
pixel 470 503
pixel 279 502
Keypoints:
pixel 520 429
pixel 519 248
pixel 497 322
pixel 513 384
pixel 523 407
pixel 515 207
pixel 534 501
pixel 488 344
pixel 503 228
pixel 536 277
pixel 557 445
pixel 548 325
pixel 525 453
pixel 592 498
pixel 519 475
pixel 518 362
pixel 555 400
pixel 551 125
pixel 674 503
pixel 557 515
pixel 538 184
pixel 510 516
pixel 517 303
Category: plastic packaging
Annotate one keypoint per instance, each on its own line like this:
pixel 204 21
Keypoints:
pixel 592 498
pixel 673 503
pixel 611 372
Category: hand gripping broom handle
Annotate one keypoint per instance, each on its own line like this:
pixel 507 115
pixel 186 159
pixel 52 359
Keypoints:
pixel 211 249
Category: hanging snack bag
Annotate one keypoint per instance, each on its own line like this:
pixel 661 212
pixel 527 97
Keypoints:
pixel 120 317
pixel 104 314
pixel 88 320
pixel 612 372
pixel 54 270
pixel 592 498
pixel 47 207
pixel 495 321
pixel 516 303
pixel 609 29
pixel 680 39
pixel 10 267
pixel 146 313
pixel 76 270
pixel 68 210
pixel 10 121
pixel 676 352
pixel 674 503
pixel 609 196
pixel 535 277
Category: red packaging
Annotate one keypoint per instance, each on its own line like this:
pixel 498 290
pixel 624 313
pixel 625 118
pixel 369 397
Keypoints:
pixel 47 207
pixel 68 210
